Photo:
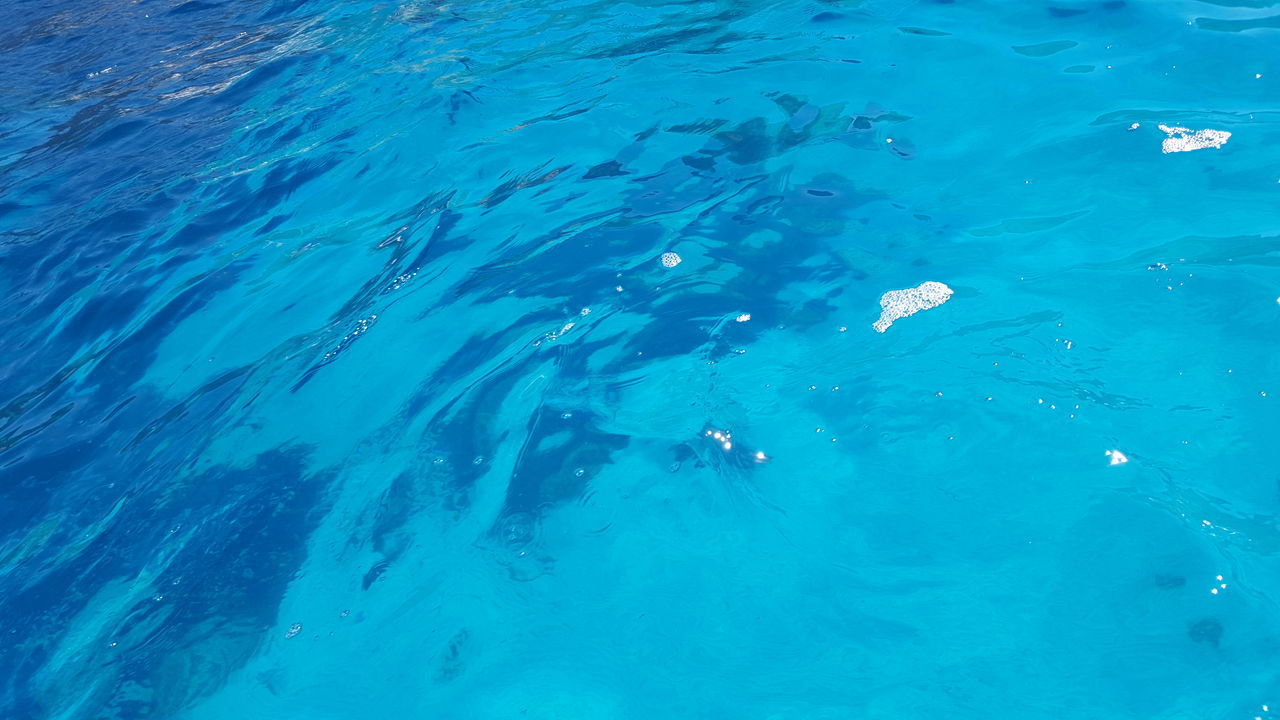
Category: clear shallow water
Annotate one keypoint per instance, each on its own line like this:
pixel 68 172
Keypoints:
pixel 341 377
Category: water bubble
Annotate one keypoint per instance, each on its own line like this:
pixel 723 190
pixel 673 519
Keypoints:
pixel 519 530
pixel 1184 139
pixel 294 629
pixel 897 304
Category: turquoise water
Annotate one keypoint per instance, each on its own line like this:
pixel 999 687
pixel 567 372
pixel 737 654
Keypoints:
pixel 342 375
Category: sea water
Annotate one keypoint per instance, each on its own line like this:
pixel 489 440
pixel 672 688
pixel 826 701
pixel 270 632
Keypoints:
pixel 470 360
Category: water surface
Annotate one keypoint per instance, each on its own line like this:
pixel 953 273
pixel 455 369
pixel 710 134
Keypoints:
pixel 340 376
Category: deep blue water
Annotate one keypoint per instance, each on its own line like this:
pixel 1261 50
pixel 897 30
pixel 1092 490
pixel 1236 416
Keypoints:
pixel 340 376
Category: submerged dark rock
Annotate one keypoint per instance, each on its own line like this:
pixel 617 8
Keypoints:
pixel 1206 630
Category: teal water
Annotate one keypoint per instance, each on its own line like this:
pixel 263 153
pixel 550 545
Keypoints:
pixel 343 378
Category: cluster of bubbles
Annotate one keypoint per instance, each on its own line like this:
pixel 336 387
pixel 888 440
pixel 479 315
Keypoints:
pixel 1184 139
pixel 725 439
pixel 897 304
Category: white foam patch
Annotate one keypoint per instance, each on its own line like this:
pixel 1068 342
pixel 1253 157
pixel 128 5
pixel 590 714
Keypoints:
pixel 897 304
pixel 1185 139
pixel 670 259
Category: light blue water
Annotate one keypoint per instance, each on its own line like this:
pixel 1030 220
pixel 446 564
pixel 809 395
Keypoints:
pixel 340 376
